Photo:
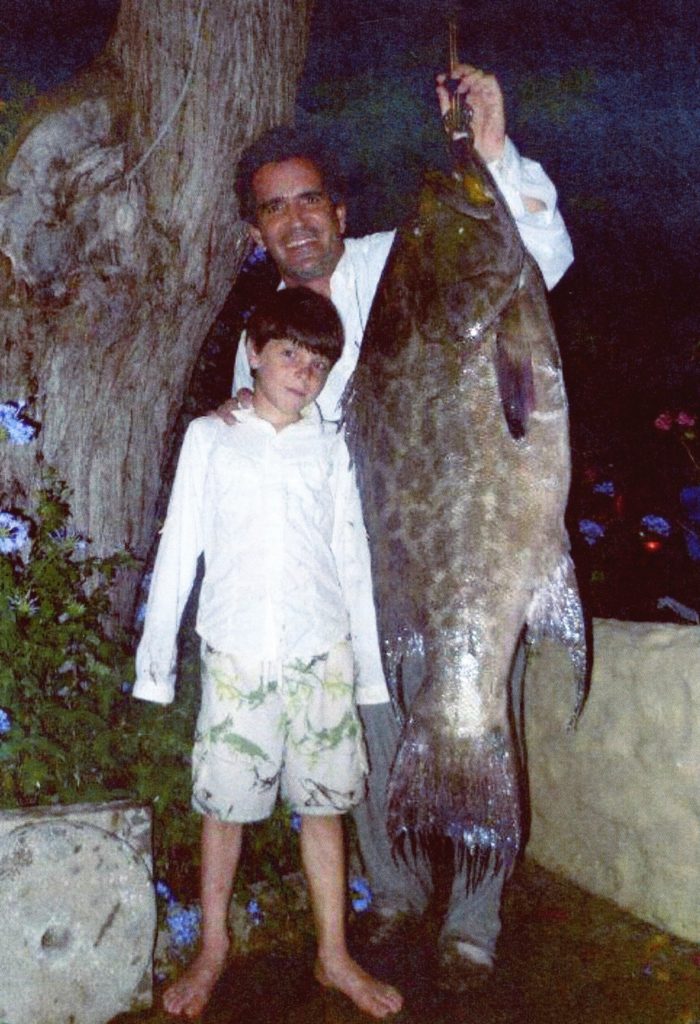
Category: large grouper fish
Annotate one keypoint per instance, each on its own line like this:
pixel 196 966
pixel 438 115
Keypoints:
pixel 457 421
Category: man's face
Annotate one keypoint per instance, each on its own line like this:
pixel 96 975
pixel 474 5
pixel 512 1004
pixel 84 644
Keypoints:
pixel 297 222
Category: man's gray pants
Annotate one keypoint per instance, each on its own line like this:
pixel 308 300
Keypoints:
pixel 405 885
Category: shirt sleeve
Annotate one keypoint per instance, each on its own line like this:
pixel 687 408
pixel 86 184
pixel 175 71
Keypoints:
pixel 174 570
pixel 543 232
pixel 351 551
pixel 242 376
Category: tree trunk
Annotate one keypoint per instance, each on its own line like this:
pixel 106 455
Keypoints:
pixel 119 240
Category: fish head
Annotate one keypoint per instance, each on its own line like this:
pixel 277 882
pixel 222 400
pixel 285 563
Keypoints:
pixel 460 234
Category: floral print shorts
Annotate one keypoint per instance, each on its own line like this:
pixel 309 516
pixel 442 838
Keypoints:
pixel 292 727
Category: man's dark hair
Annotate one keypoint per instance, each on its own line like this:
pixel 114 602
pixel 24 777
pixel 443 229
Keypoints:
pixel 285 143
pixel 299 315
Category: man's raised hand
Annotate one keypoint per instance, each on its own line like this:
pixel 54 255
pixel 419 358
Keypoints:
pixel 484 96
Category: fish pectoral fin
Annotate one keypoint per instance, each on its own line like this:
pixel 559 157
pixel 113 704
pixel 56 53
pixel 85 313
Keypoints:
pixel 515 385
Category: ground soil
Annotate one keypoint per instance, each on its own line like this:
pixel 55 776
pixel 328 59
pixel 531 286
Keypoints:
pixel 565 957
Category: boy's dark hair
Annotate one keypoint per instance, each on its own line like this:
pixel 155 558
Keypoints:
pixel 277 145
pixel 299 315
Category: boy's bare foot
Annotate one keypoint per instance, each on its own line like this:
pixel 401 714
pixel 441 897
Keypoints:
pixel 367 993
pixel 188 996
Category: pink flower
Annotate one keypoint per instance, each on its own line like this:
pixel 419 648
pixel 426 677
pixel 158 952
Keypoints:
pixel 664 421
pixel 685 419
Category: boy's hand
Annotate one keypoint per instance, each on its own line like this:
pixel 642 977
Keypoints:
pixel 242 400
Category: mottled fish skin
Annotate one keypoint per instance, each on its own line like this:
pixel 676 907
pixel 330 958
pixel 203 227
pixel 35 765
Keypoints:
pixel 457 421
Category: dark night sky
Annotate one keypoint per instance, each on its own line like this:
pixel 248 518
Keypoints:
pixel 604 94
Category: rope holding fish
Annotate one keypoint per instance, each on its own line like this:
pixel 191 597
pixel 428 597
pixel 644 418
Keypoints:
pixel 457 120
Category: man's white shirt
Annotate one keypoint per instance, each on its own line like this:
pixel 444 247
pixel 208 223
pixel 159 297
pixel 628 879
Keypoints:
pixel 355 278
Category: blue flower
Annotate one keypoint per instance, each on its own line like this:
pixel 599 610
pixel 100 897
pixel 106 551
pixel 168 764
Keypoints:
pixel 164 891
pixel 5 722
pixel 145 586
pixel 591 531
pixel 254 911
pixel 255 256
pixel 68 539
pixel 12 427
pixel 295 821
pixel 183 924
pixel 692 544
pixel 605 487
pixel 657 524
pixel 14 533
pixel 361 894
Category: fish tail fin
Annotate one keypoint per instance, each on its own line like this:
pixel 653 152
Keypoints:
pixel 469 795
pixel 556 613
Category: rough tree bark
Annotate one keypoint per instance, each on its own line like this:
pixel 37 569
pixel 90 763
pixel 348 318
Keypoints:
pixel 115 257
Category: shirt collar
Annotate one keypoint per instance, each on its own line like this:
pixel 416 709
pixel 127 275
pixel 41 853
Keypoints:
pixel 310 417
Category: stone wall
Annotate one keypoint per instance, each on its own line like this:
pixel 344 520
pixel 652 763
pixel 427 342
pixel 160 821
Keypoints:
pixel 616 804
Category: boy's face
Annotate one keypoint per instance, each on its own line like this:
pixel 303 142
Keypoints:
pixel 297 222
pixel 288 377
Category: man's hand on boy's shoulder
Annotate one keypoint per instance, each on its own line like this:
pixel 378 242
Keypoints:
pixel 243 399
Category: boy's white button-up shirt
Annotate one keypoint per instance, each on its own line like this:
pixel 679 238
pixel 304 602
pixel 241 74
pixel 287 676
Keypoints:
pixel 278 519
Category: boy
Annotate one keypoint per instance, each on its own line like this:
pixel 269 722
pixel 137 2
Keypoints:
pixel 273 507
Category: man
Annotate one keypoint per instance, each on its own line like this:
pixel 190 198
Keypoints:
pixel 289 197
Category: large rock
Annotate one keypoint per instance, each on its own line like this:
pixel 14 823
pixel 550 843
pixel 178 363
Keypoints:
pixel 78 915
pixel 616 804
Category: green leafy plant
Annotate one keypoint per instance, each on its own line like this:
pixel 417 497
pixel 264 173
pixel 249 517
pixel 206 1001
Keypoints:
pixel 60 677
pixel 70 731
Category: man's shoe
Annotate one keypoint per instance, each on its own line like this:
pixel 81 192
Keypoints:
pixel 463 966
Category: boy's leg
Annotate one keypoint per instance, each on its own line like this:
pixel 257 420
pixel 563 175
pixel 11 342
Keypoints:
pixel 227 790
pixel 221 849
pixel 324 866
